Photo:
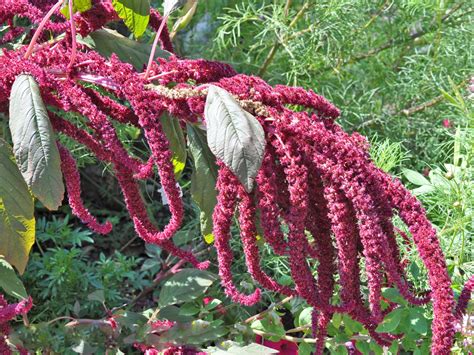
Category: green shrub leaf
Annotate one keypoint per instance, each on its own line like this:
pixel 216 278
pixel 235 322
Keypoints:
pixel 10 282
pixel 108 42
pixel 17 221
pixel 34 144
pixel 185 286
pixel 177 142
pixel 134 13
pixel 391 321
pixel 234 135
pixel 415 177
pixel 203 179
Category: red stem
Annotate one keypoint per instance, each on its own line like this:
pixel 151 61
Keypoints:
pixel 155 43
pixel 73 35
pixel 40 28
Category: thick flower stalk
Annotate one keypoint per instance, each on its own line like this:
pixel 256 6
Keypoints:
pixel 319 199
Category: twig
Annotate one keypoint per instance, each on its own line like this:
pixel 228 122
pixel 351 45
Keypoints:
pixel 73 35
pixel 278 43
pixel 98 322
pixel 268 310
pixel 286 337
pixel 421 107
pixel 40 28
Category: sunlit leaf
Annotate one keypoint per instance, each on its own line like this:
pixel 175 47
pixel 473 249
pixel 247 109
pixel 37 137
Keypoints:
pixel 34 144
pixel 17 221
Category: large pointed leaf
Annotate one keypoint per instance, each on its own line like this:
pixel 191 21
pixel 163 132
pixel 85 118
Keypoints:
pixel 175 135
pixel 108 42
pixel 185 286
pixel 203 179
pixel 34 144
pixel 234 135
pixel 9 281
pixel 17 222
pixel 134 13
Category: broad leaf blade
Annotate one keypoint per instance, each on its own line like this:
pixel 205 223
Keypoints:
pixel 10 282
pixel 34 144
pixel 185 286
pixel 234 135
pixel 17 221
pixel 177 142
pixel 134 13
pixel 203 179
pixel 108 42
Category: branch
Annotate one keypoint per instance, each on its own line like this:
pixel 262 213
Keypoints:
pixel 268 310
pixel 414 109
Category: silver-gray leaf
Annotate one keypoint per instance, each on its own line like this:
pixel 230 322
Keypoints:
pixel 234 135
pixel 34 145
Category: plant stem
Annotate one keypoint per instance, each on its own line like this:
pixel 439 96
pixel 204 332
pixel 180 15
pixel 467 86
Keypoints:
pixel 73 35
pixel 411 110
pixel 268 310
pixel 40 28
pixel 155 43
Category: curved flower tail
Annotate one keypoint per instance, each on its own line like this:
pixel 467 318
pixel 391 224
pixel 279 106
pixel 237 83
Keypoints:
pixel 73 186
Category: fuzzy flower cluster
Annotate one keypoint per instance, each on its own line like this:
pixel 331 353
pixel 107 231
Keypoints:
pixel 319 199
pixel 7 313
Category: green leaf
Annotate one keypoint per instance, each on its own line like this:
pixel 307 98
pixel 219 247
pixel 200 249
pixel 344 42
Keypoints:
pixel 177 142
pixel 173 313
pixel 305 317
pixel 203 179
pixel 34 145
pixel 185 286
pixel 10 282
pixel 189 309
pixel 213 304
pixel 418 322
pixel 415 177
pixel 393 295
pixel 305 349
pixel 134 13
pixel 363 346
pixel 17 220
pixel 77 6
pixel 108 42
pixel 270 325
pixel 391 321
pixel 234 135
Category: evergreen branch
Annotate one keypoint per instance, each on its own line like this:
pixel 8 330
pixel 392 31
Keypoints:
pixel 395 41
pixel 278 43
